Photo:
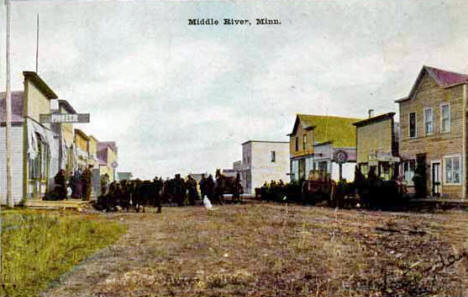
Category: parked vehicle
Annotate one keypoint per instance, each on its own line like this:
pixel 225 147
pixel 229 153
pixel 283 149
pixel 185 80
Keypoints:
pixel 317 188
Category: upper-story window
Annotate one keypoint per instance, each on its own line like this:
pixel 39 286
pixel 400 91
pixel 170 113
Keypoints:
pixel 273 156
pixel 297 143
pixel 304 141
pixel 428 121
pixel 412 125
pixel 445 118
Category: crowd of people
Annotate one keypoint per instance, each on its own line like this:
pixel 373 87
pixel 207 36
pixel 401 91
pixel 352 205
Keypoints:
pixel 77 185
pixel 138 193
pixel 175 191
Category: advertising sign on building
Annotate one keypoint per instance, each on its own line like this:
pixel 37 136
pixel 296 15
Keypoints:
pixel 65 118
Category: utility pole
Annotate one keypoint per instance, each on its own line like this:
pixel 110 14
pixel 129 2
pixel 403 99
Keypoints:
pixel 37 45
pixel 8 107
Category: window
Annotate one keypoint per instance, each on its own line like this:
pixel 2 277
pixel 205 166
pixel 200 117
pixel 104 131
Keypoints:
pixel 323 166
pixel 304 141
pixel 408 168
pixel 273 156
pixel 428 121
pixel 294 170
pixel 412 125
pixel 297 143
pixel 452 170
pixel 445 118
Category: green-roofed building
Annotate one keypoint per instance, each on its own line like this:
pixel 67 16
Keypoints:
pixel 321 143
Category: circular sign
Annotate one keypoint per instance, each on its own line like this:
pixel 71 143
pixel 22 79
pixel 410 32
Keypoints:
pixel 341 156
pixel 114 164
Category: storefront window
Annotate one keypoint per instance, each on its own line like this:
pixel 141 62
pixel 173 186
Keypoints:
pixel 452 170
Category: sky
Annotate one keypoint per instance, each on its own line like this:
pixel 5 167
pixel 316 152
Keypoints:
pixel 182 99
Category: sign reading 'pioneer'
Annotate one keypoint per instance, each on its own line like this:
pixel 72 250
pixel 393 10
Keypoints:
pixel 65 118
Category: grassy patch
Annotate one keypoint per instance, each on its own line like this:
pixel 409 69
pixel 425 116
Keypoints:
pixel 38 247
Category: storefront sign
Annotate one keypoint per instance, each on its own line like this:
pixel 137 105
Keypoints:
pixel 341 157
pixel 64 118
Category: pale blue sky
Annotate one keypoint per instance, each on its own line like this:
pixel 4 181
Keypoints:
pixel 180 98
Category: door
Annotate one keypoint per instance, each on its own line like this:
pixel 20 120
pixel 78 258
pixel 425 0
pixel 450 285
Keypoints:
pixel 435 176
pixel 302 169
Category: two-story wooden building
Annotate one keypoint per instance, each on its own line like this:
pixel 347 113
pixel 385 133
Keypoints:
pixel 321 143
pixel 433 126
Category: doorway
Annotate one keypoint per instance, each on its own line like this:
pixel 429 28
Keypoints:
pixel 435 177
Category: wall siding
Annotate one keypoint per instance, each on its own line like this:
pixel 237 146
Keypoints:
pixel 372 138
pixel 17 164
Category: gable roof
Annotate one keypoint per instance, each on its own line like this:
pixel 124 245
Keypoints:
pixel 103 145
pixel 338 130
pixel 16 107
pixel 443 78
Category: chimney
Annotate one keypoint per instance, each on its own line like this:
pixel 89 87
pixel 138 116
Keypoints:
pixel 371 113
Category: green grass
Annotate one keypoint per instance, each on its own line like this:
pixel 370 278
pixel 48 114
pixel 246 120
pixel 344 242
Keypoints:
pixel 38 247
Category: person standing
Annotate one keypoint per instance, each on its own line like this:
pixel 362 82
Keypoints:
pixel 86 183
pixel 179 190
pixel 237 189
pixel 104 184
pixel 203 185
pixel 192 190
pixel 60 185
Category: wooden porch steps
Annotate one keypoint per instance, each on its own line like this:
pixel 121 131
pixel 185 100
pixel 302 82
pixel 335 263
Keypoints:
pixel 74 204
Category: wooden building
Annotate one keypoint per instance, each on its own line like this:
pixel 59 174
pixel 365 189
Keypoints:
pixel 377 146
pixel 433 126
pixel 81 149
pixel 322 143
pixel 35 151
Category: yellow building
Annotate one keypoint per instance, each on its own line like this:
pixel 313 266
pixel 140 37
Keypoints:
pixel 377 145
pixel 40 151
pixel 92 152
pixel 34 147
pixel 81 149
pixel 65 133
pixel 108 159
pixel 326 143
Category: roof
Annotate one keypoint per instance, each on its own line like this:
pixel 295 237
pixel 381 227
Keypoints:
pixel 339 130
pixel 107 144
pixel 264 141
pixel 375 119
pixel 94 138
pixel 16 107
pixel 81 133
pixel 40 84
pixel 65 104
pixel 443 78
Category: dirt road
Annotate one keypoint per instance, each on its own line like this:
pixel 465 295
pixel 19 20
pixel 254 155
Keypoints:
pixel 267 249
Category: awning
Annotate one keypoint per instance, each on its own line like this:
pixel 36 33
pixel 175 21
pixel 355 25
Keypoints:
pixel 46 135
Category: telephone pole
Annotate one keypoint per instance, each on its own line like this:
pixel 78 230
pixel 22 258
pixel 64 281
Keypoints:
pixel 37 45
pixel 8 108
